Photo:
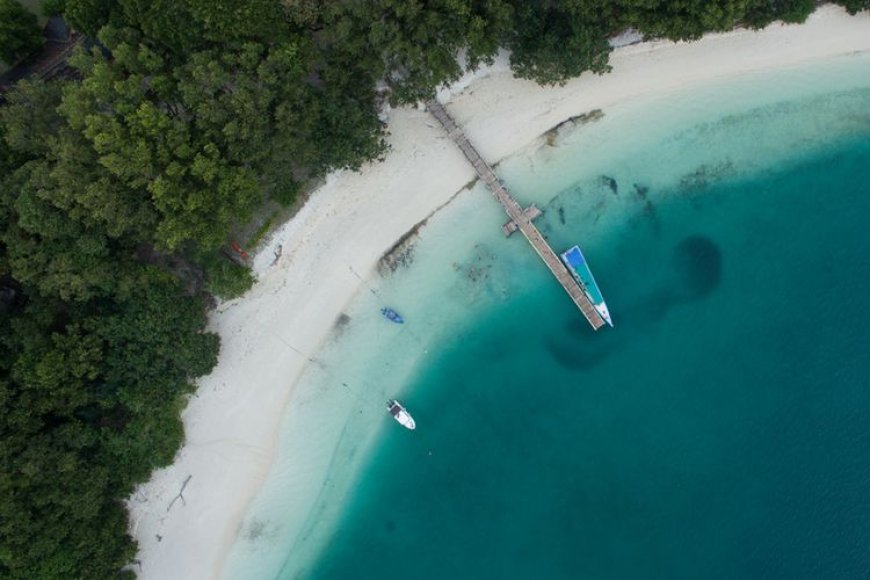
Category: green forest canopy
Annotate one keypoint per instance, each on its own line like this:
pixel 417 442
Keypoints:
pixel 119 189
pixel 19 32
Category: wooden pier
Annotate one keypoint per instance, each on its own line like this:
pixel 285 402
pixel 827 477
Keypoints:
pixel 520 219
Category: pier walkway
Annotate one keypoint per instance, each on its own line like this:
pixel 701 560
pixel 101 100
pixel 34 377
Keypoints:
pixel 519 219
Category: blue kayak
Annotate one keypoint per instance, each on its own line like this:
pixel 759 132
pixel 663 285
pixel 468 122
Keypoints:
pixel 392 315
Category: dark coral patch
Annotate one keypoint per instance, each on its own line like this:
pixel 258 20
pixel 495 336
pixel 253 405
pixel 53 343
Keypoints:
pixel 698 264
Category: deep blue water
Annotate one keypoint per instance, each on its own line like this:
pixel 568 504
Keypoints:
pixel 721 430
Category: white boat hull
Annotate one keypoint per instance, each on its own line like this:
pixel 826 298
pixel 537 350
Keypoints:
pixel 401 415
pixel 605 314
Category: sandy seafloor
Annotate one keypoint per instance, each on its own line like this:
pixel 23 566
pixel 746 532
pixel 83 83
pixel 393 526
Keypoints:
pixel 717 429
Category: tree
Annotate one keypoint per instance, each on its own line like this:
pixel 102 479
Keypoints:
pixel 560 40
pixel 201 144
pixel 855 6
pixel 415 45
pixel 96 352
pixel 29 118
pixel 687 19
pixel 90 395
pixel 52 7
pixel 763 12
pixel 87 16
pixel 19 32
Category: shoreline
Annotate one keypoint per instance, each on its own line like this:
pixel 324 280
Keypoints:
pixel 232 422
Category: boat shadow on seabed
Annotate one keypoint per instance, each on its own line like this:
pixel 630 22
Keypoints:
pixel 697 267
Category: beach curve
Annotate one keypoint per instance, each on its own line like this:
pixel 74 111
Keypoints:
pixel 268 336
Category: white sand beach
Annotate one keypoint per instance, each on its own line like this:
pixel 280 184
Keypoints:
pixel 232 422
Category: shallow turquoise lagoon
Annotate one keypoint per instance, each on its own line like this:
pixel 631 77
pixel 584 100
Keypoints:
pixel 720 430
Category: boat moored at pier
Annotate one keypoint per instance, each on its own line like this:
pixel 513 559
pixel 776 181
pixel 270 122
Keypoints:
pixel 579 268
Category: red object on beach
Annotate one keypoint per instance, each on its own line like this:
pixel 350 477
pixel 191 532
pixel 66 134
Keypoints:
pixel 238 249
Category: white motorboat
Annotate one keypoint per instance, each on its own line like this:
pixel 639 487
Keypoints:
pixel 401 414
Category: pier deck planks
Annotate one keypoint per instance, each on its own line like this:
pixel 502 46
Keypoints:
pixel 522 219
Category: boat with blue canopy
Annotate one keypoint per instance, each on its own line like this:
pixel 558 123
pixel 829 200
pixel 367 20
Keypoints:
pixel 392 315
pixel 579 268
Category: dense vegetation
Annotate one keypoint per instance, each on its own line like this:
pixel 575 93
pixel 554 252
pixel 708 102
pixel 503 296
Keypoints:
pixel 19 33
pixel 118 190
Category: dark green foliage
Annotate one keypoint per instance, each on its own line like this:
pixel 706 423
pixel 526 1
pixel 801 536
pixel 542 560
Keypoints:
pixel 119 189
pixel 226 279
pixel 29 118
pixel 854 6
pixel 181 26
pixel 19 32
pixel 87 16
pixel 96 352
pixel 192 149
pixel 176 27
pixel 415 44
pixel 686 19
pixel 52 7
pixel 556 41
pixel 90 399
pixel 759 14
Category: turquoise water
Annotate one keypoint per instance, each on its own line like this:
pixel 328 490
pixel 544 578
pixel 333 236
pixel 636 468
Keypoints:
pixel 720 430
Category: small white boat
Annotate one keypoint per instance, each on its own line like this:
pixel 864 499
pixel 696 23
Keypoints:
pixel 400 414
